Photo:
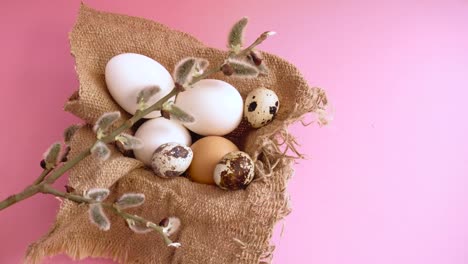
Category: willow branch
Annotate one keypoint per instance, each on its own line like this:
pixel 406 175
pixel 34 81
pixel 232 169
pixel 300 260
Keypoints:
pixel 43 184
pixel 12 199
pixel 206 74
pixel 141 220
pixel 47 189
pixel 41 177
pixel 49 177
pixel 26 193
pixel 257 42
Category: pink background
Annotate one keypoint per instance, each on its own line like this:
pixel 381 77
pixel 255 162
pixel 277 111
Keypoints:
pixel 386 182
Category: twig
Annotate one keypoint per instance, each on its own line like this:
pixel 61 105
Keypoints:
pixel 257 42
pixel 141 220
pixel 26 193
pixel 41 177
pixel 47 189
pixel 58 172
pixel 206 74
pixel 12 199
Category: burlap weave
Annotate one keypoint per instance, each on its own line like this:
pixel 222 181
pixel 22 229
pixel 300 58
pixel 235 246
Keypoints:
pixel 217 226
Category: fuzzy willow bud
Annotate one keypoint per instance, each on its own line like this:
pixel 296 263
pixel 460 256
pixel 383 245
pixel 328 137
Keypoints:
pixel 52 154
pixel 145 95
pixel 129 200
pixel 105 122
pixel 98 217
pixel 101 151
pixel 242 68
pixel 236 35
pixel 170 225
pixel 69 132
pixel 189 68
pixel 97 194
pixel 174 112
pixel 129 142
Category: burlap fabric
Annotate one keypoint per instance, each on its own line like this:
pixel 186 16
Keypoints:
pixel 217 226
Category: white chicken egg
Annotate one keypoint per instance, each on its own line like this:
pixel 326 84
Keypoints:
pixel 216 106
pixel 156 132
pixel 128 73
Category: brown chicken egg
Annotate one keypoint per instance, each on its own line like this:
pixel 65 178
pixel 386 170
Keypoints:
pixel 207 152
pixel 235 171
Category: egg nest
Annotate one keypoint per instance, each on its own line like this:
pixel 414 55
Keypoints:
pixel 218 226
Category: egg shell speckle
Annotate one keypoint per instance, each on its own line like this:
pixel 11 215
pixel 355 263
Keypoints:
pixel 171 160
pixel 261 106
pixel 234 171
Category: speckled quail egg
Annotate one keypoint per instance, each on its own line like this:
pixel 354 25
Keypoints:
pixel 261 106
pixel 234 171
pixel 171 160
